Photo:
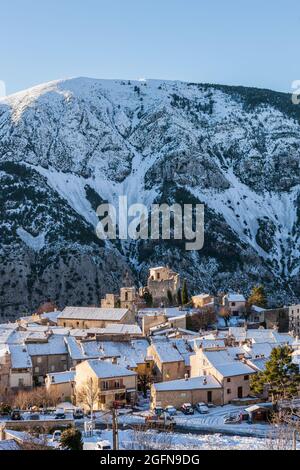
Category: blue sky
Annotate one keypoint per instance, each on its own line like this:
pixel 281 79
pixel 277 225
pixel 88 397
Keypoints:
pixel 251 43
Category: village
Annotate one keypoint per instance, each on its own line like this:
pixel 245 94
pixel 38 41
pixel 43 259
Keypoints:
pixel 149 365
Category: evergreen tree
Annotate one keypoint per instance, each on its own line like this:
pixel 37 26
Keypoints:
pixel 148 299
pixel 258 297
pixel 170 298
pixel 179 298
pixel 71 439
pixel 281 376
pixel 184 293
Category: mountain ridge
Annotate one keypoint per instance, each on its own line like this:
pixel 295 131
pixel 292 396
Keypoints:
pixel 236 149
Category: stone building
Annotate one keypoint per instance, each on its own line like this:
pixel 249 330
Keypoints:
pixel 168 362
pixel 294 319
pixel 61 385
pixel 162 282
pixel 93 317
pixel 205 389
pixel 232 374
pixel 115 384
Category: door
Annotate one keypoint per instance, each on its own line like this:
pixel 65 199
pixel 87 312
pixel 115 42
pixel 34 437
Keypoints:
pixel 240 392
pixel 209 397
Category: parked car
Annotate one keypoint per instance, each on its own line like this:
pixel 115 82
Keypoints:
pixel 202 408
pixel 56 436
pixel 34 416
pixel 60 413
pixel 103 445
pixel 187 409
pixel 232 419
pixel 154 418
pixel 16 415
pixel 171 410
pixel 158 410
pixel 78 413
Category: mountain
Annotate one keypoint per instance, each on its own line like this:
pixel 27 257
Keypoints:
pixel 67 146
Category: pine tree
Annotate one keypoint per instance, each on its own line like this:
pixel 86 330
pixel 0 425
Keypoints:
pixel 281 376
pixel 170 298
pixel 184 293
pixel 179 298
pixel 148 299
pixel 71 439
pixel 258 297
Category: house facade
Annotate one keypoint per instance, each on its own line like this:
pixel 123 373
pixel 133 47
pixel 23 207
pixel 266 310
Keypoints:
pixel 232 374
pixel 204 389
pixel 235 303
pixel 115 384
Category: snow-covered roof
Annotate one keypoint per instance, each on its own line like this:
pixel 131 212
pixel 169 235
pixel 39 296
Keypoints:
pixel 224 363
pixel 257 350
pixel 106 370
pixel 128 353
pixel 201 296
pixel 74 348
pixel 194 383
pixel 166 351
pixel 258 363
pixel 235 298
pixel 210 343
pixel 235 368
pixel 51 316
pixel 20 359
pixel 62 377
pixel 257 309
pixel 93 313
pixel 54 346
pixel 115 328
pixel 9 444
pixel 238 332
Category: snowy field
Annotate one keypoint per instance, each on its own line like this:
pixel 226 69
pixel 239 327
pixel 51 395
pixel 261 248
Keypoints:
pixel 130 440
pixel 212 422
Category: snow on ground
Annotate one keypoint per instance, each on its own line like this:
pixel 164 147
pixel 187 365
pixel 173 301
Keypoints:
pixel 174 441
pixel 213 422
pixel 35 243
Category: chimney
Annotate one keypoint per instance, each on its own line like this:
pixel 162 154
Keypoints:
pixel 205 381
pixel 186 377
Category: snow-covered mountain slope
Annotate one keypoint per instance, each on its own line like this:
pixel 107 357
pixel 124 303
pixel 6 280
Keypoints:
pixel 68 145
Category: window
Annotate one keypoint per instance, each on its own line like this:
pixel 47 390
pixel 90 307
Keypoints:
pixel 228 391
pixel 228 379
pixel 52 368
pixel 117 384
pixel 233 304
pixel 246 377
pixel 105 385
pixel 37 369
pixel 39 360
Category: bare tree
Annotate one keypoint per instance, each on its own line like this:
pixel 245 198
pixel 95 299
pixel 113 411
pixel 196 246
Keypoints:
pixel 149 440
pixel 88 394
pixel 35 443
pixel 284 432
pixel 38 397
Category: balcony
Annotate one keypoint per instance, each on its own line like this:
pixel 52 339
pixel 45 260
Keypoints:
pixel 109 391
